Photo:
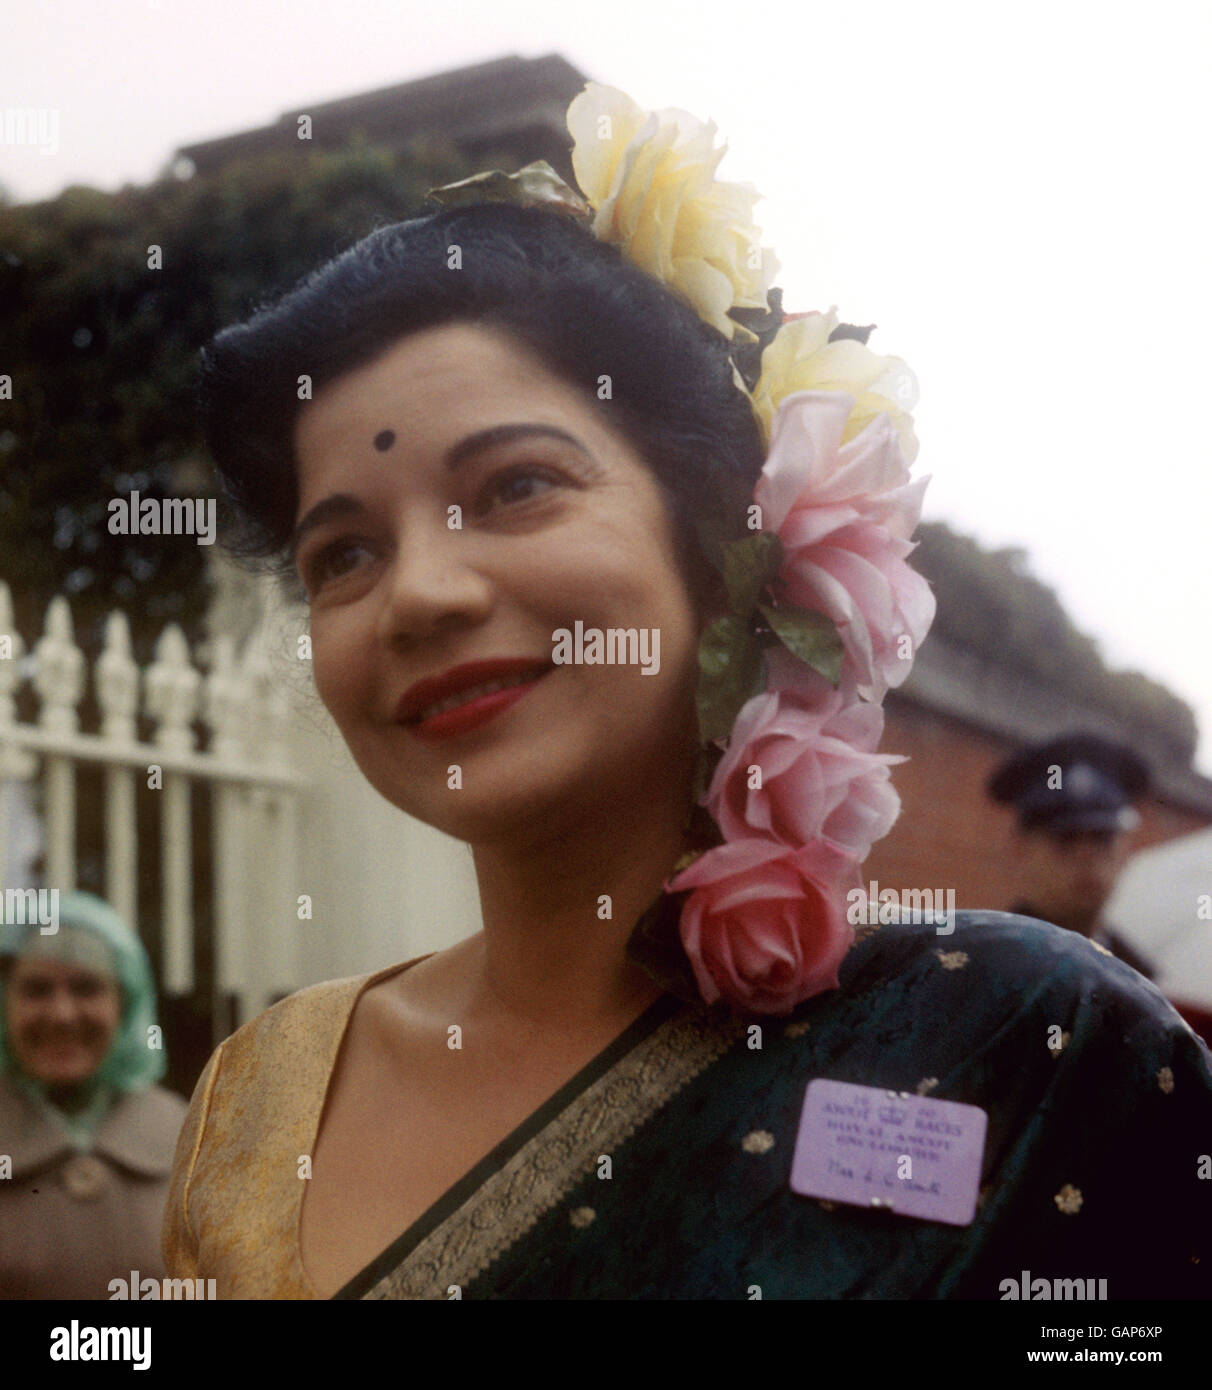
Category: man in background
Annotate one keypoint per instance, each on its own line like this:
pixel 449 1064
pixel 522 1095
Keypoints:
pixel 1075 802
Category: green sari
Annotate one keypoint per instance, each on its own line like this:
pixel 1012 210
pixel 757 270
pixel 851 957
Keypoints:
pixel 662 1170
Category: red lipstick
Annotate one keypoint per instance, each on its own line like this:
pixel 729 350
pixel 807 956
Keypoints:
pixel 417 708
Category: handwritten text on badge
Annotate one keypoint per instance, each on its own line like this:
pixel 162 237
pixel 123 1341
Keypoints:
pixel 853 1143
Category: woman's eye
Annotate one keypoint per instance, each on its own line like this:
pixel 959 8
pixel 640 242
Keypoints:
pixel 333 562
pixel 514 486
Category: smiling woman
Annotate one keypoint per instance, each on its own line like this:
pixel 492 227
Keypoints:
pixel 530 415
pixel 86 1135
pixel 559 521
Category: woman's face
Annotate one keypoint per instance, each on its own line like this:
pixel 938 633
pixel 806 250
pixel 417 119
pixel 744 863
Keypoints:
pixel 459 504
pixel 61 1019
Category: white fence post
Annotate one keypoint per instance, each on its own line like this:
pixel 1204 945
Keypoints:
pixel 15 765
pixel 172 700
pixel 225 705
pixel 59 680
pixel 267 934
pixel 118 695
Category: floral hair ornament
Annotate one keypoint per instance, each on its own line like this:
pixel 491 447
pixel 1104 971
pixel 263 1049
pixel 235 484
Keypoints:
pixel 649 189
pixel 825 616
pixel 824 613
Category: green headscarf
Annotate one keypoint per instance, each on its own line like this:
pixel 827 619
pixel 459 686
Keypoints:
pixel 93 935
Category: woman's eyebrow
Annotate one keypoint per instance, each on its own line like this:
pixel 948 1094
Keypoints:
pixel 503 434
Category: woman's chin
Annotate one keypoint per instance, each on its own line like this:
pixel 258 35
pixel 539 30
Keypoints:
pixel 62 1077
pixel 495 811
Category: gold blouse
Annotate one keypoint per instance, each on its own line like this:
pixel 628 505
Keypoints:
pixel 235 1200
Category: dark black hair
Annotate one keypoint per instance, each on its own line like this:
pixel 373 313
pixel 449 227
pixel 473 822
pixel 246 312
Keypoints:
pixel 574 301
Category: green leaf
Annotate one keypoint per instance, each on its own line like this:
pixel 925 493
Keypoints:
pixel 537 184
pixel 852 330
pixel 764 324
pixel 749 565
pixel 656 947
pixel 730 672
pixel 810 636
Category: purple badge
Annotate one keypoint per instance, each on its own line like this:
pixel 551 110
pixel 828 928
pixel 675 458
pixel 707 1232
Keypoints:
pixel 909 1154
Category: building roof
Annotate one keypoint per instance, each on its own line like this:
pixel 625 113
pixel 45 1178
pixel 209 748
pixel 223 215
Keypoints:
pixel 963 685
pixel 512 105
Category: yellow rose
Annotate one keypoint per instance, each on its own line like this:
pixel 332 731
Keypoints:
pixel 801 358
pixel 650 180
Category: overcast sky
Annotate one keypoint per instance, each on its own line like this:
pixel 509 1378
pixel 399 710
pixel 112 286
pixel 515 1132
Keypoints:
pixel 1018 199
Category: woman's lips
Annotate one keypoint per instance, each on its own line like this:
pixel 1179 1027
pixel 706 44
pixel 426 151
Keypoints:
pixel 473 713
pixel 63 1053
pixel 63 1044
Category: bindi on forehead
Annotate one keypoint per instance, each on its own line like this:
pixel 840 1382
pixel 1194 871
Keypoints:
pixel 384 440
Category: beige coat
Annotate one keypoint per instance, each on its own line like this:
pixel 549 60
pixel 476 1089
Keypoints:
pixel 69 1222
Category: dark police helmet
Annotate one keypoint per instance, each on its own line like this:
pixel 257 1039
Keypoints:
pixel 1071 785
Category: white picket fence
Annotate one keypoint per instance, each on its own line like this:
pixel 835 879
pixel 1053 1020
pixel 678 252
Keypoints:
pixel 247 768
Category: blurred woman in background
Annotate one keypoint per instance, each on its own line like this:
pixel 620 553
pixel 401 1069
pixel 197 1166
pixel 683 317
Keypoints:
pixel 89 1134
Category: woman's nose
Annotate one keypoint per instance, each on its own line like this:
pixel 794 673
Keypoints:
pixel 61 1007
pixel 433 583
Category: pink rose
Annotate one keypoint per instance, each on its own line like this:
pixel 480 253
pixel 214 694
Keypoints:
pixel 844 513
pixel 820 775
pixel 766 926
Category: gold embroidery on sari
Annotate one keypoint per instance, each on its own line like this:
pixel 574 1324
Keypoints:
pixel 547 1167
